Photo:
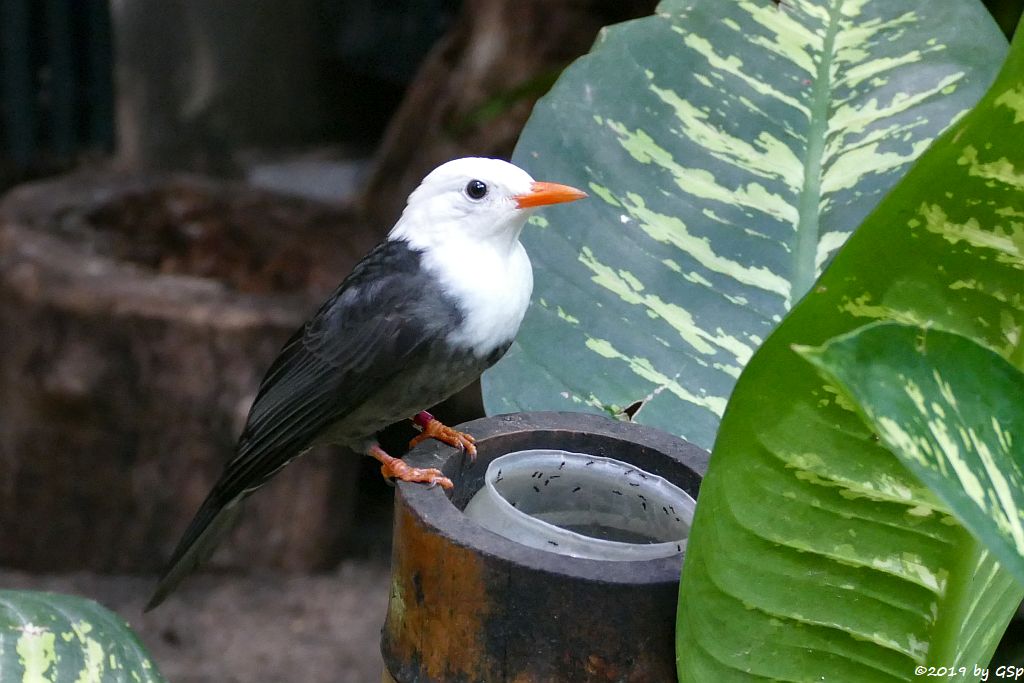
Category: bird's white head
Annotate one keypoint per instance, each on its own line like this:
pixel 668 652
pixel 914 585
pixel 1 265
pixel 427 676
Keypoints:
pixel 486 201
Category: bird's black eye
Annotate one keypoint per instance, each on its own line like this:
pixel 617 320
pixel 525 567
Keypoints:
pixel 476 189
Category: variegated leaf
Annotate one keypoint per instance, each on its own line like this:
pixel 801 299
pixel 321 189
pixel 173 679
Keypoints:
pixel 52 638
pixel 730 148
pixel 952 411
pixel 815 554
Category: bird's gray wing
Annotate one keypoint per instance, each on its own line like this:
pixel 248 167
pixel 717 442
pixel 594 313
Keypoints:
pixel 323 374
pixel 384 317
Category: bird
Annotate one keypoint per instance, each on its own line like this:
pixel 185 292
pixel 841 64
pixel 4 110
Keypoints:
pixel 421 316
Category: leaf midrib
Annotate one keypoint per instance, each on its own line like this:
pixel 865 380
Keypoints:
pixel 807 229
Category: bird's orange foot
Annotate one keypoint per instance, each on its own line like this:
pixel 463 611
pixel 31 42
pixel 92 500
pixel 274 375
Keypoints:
pixel 395 468
pixel 432 428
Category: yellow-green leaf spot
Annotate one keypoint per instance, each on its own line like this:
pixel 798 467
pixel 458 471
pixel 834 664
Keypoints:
pixel 1001 170
pixel 604 193
pixel 1008 242
pixel 767 156
pixel 36 654
pixel 1002 508
pixel 856 118
pixel 733 65
pixel 1014 99
pixel 93 661
pixel 852 165
pixel 643 368
pixel 567 317
pixel 701 183
pixel 630 289
pixel 828 243
pixel 863 307
pixel 912 568
pixel 671 230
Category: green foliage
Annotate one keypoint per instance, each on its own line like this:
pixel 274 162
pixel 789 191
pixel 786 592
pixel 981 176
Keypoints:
pixel 51 638
pixel 952 411
pixel 730 148
pixel 815 553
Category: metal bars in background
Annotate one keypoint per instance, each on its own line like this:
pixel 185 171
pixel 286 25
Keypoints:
pixel 56 81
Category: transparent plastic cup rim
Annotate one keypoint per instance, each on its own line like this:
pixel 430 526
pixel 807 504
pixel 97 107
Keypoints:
pixel 601 491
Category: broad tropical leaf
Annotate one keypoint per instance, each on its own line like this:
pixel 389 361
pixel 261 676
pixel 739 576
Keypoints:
pixel 51 638
pixel 952 411
pixel 729 148
pixel 816 555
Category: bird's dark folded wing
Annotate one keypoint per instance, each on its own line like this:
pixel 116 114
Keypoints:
pixel 316 387
pixel 387 316
pixel 365 335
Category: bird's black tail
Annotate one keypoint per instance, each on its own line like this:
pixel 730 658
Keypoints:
pixel 213 521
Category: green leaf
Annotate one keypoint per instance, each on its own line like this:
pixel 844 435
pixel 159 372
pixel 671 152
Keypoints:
pixel 729 148
pixel 815 554
pixel 952 411
pixel 46 637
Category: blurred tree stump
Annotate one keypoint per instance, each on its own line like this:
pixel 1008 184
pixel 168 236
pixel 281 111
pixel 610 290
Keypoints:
pixel 137 315
pixel 474 92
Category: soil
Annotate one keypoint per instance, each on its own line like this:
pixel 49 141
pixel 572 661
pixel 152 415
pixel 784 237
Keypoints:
pixel 261 628
pixel 253 242
pixel 124 391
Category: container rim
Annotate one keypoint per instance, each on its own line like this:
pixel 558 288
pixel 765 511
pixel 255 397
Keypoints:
pixel 651 449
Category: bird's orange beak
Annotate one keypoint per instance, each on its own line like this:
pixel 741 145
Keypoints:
pixel 542 194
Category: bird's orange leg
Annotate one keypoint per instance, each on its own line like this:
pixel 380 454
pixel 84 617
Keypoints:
pixel 432 428
pixel 396 468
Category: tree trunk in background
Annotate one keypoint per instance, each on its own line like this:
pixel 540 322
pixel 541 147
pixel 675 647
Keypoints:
pixel 137 316
pixel 197 80
pixel 477 87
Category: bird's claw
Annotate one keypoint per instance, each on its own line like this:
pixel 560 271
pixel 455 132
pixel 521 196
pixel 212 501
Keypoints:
pixel 434 429
pixel 430 476
pixel 396 468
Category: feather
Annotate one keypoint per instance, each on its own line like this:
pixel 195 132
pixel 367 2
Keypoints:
pixel 209 526
pixel 367 333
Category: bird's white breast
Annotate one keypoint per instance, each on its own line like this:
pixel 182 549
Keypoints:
pixel 491 286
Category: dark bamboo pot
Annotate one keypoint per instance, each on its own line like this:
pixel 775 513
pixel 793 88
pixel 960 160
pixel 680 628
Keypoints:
pixel 469 605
